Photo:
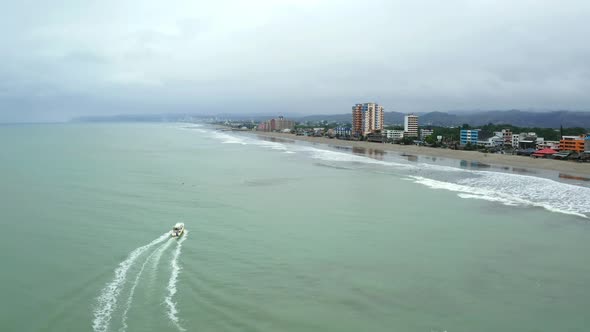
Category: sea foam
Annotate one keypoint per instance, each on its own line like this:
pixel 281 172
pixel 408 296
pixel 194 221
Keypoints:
pixel 505 188
pixel 518 190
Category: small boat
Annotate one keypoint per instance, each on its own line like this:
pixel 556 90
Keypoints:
pixel 177 230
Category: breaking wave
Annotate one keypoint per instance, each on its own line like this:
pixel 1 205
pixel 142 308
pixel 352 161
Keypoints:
pixel 518 190
pixel 107 300
pixel 504 188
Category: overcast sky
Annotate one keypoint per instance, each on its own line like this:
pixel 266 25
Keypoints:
pixel 60 59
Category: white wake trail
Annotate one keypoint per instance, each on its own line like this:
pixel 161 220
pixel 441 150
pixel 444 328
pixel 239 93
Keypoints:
pixel 107 300
pixel 172 311
pixel 136 282
pixel 159 252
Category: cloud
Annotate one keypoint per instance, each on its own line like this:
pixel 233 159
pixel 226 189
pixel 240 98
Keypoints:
pixel 314 56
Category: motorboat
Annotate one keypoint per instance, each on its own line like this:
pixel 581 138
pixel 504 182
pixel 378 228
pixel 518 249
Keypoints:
pixel 177 230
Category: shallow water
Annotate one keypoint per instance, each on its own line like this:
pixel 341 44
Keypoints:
pixel 284 236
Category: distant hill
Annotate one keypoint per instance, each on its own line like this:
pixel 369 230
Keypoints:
pixel 390 117
pixel 518 118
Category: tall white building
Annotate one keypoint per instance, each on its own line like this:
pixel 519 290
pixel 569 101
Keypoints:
pixel 367 118
pixel 411 125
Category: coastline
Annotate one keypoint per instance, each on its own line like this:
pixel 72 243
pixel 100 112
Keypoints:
pixel 567 167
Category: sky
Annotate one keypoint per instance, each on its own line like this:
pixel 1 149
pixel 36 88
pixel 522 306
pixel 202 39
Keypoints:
pixel 66 58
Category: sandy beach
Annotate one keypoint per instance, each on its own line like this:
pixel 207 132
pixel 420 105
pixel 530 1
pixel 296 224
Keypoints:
pixel 568 167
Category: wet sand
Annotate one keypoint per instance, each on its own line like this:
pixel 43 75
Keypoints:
pixel 569 167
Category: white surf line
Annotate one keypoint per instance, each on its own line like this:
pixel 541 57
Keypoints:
pixel 172 311
pixel 136 282
pixel 107 300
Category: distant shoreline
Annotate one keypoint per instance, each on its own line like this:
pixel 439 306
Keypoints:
pixel 571 168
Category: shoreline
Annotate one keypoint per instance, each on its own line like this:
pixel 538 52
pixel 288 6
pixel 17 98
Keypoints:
pixel 570 168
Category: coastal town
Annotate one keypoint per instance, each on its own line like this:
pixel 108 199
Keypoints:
pixel 367 123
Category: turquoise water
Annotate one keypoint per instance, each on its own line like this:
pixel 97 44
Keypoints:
pixel 282 237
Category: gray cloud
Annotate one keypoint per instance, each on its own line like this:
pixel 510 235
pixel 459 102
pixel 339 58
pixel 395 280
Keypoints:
pixel 67 58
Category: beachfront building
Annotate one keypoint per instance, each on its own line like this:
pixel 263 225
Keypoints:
pixel 469 136
pixel 279 124
pixel 587 143
pixel 490 142
pixel 411 125
pixel 526 140
pixel 554 145
pixel 393 134
pixel 425 133
pixel 367 118
pixel 515 140
pixel 506 135
pixel 342 131
pixel 572 143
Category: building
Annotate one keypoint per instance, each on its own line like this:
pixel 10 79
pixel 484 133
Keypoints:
pixel 393 134
pixel 279 124
pixel 515 140
pixel 554 145
pixel 425 133
pixel 411 125
pixel 587 143
pixel 572 143
pixel 376 137
pixel 524 140
pixel 469 136
pixel 367 118
pixel 263 126
pixel 506 135
pixel 342 131
pixel 282 123
pixel 492 141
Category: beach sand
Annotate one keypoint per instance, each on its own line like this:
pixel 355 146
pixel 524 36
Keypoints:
pixel 568 167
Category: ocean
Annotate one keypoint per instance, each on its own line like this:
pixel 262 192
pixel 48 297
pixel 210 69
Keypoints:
pixel 282 236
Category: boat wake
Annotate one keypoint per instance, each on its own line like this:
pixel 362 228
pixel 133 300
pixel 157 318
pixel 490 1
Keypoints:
pixel 172 310
pixel 107 300
pixel 136 282
pixel 158 255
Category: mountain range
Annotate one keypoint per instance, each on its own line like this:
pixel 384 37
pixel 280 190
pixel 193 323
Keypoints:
pixel 518 118
pixel 529 119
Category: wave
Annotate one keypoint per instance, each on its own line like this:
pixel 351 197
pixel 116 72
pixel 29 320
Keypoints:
pixel 505 188
pixel 518 190
pixel 323 154
pixel 172 310
pixel 233 139
pixel 107 300
pixel 136 282
pixel 228 139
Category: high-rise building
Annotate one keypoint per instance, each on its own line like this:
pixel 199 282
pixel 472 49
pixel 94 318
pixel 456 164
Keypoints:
pixel 367 118
pixel 411 125
pixel 276 124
